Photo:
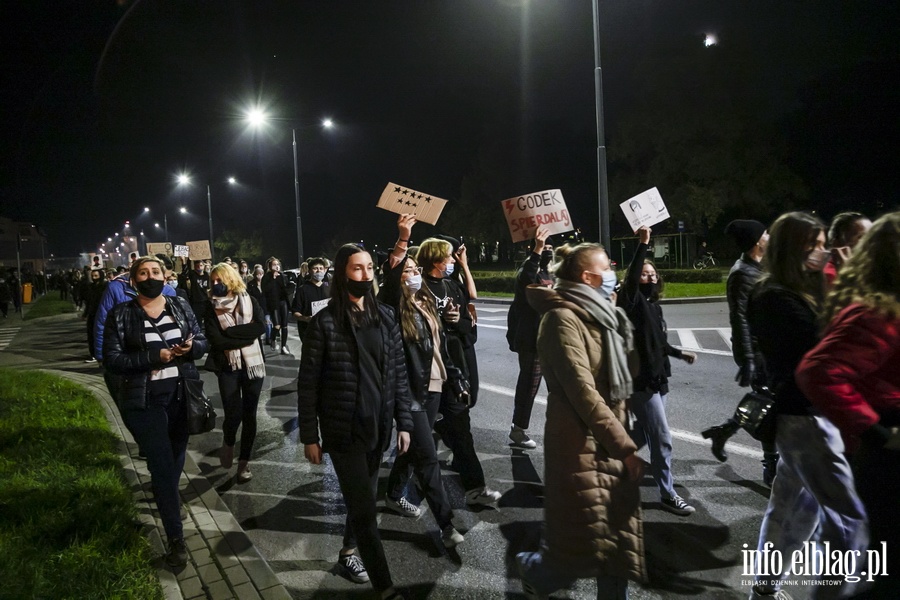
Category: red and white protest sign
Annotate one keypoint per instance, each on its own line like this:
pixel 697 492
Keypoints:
pixel 524 214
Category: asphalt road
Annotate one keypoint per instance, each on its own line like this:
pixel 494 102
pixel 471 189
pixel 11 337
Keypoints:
pixel 293 511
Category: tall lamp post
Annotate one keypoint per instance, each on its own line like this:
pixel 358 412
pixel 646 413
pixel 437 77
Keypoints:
pixel 602 187
pixel 257 118
pixel 185 179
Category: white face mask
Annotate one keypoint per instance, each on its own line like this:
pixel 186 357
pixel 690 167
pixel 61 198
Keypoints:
pixel 173 283
pixel 448 270
pixel 609 283
pixel 414 282
pixel 817 259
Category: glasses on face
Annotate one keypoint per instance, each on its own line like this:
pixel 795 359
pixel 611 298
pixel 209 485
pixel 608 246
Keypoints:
pixel 412 270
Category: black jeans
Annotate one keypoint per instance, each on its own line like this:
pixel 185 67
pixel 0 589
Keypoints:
pixel 279 315
pixel 456 431
pixel 422 457
pixel 240 398
pixel 162 434
pixel 357 474
pixel 526 388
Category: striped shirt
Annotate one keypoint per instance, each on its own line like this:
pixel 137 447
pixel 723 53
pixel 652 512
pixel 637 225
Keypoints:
pixel 165 379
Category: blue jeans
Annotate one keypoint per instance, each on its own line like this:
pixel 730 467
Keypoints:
pixel 652 430
pixel 813 491
pixel 162 434
pixel 547 578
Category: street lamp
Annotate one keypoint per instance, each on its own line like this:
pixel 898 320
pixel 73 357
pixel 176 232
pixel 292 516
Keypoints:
pixel 185 179
pixel 257 118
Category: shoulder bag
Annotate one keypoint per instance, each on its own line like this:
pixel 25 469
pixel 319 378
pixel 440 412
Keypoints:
pixel 201 414
pixel 755 413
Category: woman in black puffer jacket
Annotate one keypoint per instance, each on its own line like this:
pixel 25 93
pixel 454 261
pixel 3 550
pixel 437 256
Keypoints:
pixel 352 383
pixel 429 367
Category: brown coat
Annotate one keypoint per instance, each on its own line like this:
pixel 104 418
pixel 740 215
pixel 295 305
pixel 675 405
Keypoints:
pixel 592 510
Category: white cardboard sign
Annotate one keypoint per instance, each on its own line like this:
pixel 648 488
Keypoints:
pixel 647 208
pixel 400 200
pixel 524 214
pixel 182 251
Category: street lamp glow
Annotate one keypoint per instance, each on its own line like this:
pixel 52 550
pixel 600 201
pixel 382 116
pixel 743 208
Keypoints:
pixel 183 179
pixel 710 40
pixel 182 210
pixel 146 209
pixel 327 123
pixel 232 180
pixel 156 225
pixel 257 117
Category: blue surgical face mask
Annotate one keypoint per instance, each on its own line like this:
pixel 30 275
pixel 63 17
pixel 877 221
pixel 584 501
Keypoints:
pixel 448 270
pixel 414 282
pixel 318 275
pixel 609 283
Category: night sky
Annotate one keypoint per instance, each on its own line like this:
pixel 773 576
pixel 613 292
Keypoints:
pixel 103 104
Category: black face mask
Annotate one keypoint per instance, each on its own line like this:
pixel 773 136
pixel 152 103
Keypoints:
pixel 151 288
pixel 648 289
pixel 546 257
pixel 358 289
pixel 219 289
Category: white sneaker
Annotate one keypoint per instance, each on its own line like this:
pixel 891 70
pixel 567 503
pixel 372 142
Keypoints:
pixel 353 568
pixel 484 496
pixel 520 438
pixel 677 506
pixel 403 507
pixel 451 537
pixel 91 360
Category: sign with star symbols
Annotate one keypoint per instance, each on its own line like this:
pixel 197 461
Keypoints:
pixel 403 200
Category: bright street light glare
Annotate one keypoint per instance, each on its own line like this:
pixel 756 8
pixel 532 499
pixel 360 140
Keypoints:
pixel 182 210
pixel 256 117
pixel 183 179
pixel 156 224
pixel 710 40
pixel 146 209
pixel 327 123
pixel 232 180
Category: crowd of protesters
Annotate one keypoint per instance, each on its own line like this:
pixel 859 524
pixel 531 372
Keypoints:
pixel 388 360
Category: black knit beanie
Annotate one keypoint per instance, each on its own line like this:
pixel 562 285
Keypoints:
pixel 746 232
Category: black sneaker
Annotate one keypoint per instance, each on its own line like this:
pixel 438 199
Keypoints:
pixel 177 554
pixel 353 568
pixel 677 506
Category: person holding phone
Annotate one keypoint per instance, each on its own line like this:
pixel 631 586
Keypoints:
pixel 152 342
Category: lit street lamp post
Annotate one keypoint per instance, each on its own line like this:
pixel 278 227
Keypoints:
pixel 184 179
pixel 257 119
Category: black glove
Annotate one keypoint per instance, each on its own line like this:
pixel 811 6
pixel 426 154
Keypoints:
pixel 746 374
pixel 459 387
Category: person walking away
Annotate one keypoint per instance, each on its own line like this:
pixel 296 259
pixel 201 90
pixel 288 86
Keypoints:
pixel 429 368
pixel 639 296
pixel 851 377
pixel 813 497
pixel 274 288
pixel 847 228
pixel 751 237
pixel 234 323
pixel 436 259
pixel 521 334
pixel 196 283
pixel 151 340
pixel 592 504
pixel 311 296
pixel 351 384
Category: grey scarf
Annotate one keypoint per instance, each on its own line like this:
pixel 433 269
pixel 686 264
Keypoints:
pixel 616 333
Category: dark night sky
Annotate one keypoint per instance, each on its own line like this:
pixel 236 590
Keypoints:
pixel 103 104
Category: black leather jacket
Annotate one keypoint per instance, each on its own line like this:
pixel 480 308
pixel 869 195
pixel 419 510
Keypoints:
pixel 741 278
pixel 419 354
pixel 125 352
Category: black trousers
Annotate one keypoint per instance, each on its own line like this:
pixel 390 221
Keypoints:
pixel 279 315
pixel 240 399
pixel 357 474
pixel 422 457
pixel 526 388
pixel 456 431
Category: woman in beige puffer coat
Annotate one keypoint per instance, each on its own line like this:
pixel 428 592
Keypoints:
pixel 591 497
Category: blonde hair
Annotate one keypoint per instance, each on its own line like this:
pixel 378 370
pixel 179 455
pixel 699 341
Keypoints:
pixel 871 276
pixel 433 251
pixel 572 261
pixel 228 275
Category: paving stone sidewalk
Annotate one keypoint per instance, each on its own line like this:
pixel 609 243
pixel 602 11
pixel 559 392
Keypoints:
pixel 222 562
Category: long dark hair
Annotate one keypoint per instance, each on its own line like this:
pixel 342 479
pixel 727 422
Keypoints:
pixel 408 310
pixel 347 313
pixel 786 252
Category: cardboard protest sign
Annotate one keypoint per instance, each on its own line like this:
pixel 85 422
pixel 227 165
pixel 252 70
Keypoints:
pixel 199 250
pixel 154 248
pixel 400 200
pixel 524 214
pixel 182 251
pixel 647 208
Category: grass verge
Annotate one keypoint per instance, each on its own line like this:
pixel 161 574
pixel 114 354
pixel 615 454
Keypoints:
pixel 47 306
pixel 68 523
